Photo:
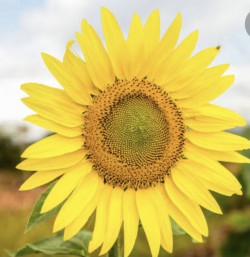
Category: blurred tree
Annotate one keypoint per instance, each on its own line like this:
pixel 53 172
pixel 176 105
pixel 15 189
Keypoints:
pixel 9 153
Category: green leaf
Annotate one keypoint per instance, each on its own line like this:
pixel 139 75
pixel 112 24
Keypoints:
pixel 77 245
pixel 177 230
pixel 36 217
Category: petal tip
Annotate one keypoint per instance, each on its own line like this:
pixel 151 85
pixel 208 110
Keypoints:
pixel 105 10
pixel 57 227
pixel 23 155
pixel 19 166
pixel 44 208
pixel 84 24
pixel 91 247
pixel 24 87
pixel 196 33
pixel 23 187
pixel 179 17
pixel 45 56
pixel 70 43
pixel 66 236
pixel 239 192
pixel 103 251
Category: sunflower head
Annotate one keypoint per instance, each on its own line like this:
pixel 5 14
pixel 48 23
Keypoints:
pixel 136 137
pixel 134 133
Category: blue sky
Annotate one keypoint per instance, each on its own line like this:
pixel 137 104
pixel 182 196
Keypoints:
pixel 30 27
pixel 10 12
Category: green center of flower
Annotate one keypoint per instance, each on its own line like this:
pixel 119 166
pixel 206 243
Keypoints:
pixel 136 130
pixel 134 134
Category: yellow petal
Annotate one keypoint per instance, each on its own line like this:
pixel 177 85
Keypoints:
pixel 82 219
pixel 187 83
pixel 212 118
pixel 215 176
pixel 192 189
pixel 41 178
pixel 79 69
pixel 205 124
pixel 163 50
pixel 115 42
pixel 66 184
pixel 48 95
pixel 207 92
pixel 176 214
pixel 101 219
pixel 166 235
pixel 131 220
pixel 200 61
pixel 136 28
pixel 54 145
pixel 69 82
pixel 53 126
pixel 55 111
pixel 165 225
pixel 176 61
pixel 114 219
pixel 148 39
pixel 134 47
pixel 189 208
pixel 218 113
pixel 149 219
pixel 152 32
pixel 78 200
pixel 53 163
pixel 225 156
pixel 220 141
pixel 37 91
pixel 98 63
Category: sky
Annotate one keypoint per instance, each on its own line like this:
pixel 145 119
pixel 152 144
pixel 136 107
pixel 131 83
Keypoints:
pixel 30 27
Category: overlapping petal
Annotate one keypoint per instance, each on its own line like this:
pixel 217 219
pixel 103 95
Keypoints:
pixel 115 42
pixel 54 126
pixel 71 208
pixel 69 82
pixel 131 220
pixel 69 181
pixel 52 163
pixel 98 62
pixel 134 49
pixel 219 141
pixel 54 145
pixel 149 219
pixel 79 69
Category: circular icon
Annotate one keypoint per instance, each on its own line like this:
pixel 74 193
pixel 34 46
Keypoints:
pixel 247 24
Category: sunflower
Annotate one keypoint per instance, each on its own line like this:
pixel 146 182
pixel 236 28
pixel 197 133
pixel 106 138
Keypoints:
pixel 136 137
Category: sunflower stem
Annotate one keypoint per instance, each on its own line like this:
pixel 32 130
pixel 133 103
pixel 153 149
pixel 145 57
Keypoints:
pixel 116 250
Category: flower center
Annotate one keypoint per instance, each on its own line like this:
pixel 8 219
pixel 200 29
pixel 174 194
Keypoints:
pixel 136 130
pixel 134 133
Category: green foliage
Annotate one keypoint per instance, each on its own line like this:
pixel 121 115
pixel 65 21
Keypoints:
pixel 56 245
pixel 245 177
pixel 239 220
pixel 36 217
pixel 9 153
pixel 237 244
pixel 237 241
